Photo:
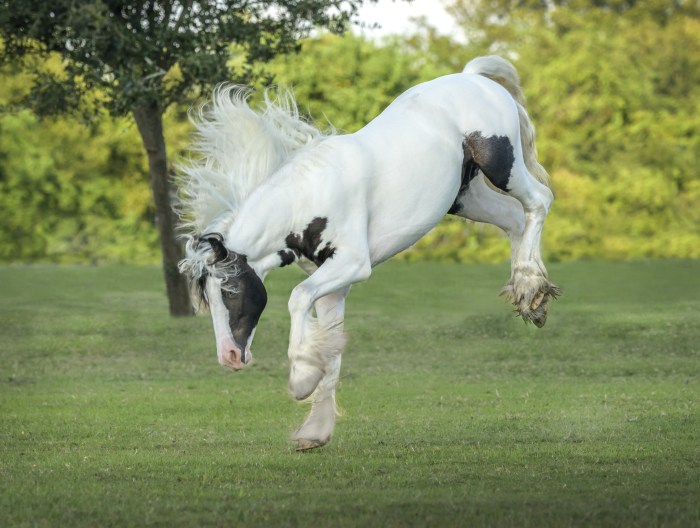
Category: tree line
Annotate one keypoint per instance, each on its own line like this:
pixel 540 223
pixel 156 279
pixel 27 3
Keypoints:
pixel 613 88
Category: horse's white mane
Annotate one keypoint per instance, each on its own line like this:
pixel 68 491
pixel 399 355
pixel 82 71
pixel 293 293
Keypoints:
pixel 238 147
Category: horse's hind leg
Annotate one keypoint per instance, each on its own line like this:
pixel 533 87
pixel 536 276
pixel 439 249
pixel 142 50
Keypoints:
pixel 318 426
pixel 529 288
pixel 478 202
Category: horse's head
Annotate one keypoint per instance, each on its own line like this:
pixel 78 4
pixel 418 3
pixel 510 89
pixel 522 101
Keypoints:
pixel 225 282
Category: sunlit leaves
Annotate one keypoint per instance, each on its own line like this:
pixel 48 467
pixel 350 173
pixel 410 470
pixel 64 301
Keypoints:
pixel 126 48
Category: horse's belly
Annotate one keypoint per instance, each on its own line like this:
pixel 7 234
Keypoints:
pixel 409 198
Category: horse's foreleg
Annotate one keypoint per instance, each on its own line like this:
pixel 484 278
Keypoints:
pixel 315 341
pixel 318 426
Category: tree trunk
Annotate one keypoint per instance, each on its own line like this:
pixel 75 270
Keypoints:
pixel 149 120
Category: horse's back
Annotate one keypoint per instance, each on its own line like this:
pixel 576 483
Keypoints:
pixel 415 153
pixel 452 104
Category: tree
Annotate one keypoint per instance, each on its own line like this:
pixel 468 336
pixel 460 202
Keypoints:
pixel 139 56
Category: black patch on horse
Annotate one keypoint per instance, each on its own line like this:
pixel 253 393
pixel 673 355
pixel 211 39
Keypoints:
pixel 288 257
pixel 492 155
pixel 307 244
pixel 469 172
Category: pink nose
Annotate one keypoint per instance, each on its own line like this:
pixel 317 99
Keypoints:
pixel 231 356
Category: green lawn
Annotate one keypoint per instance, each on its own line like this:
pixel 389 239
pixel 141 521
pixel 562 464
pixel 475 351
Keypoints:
pixel 455 412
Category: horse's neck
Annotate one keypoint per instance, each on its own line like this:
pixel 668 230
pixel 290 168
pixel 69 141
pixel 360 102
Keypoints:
pixel 260 227
pixel 285 203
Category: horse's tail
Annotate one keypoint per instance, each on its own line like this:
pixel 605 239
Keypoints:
pixel 504 73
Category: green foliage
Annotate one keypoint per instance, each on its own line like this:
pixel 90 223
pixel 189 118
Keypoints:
pixel 624 128
pixel 613 88
pixel 144 51
pixel 349 80
pixel 454 412
pixel 75 192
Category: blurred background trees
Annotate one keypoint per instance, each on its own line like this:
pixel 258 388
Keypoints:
pixel 139 57
pixel 613 88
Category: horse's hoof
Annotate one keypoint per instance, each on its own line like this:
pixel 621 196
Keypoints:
pixel 537 301
pixel 304 444
pixel 530 295
pixel 540 305
pixel 539 314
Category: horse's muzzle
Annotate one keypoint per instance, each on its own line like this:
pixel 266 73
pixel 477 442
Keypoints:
pixel 232 356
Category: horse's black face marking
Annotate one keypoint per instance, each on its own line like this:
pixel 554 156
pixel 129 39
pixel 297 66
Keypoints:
pixel 245 298
pixel 216 241
pixel 307 244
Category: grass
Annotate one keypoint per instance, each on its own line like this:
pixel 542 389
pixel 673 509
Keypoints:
pixel 455 413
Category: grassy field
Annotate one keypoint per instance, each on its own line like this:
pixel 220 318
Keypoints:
pixel 454 412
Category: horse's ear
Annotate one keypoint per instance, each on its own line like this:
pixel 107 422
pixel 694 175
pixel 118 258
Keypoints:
pixel 216 241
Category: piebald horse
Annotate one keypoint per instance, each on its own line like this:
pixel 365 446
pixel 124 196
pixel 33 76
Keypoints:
pixel 269 190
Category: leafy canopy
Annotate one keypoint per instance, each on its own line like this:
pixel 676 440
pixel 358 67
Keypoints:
pixel 140 51
pixel 615 95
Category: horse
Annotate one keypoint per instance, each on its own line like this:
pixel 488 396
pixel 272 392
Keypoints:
pixel 269 189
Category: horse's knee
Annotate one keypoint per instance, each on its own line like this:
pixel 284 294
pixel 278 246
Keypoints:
pixel 546 197
pixel 315 356
pixel 304 377
pixel 299 301
pixel 535 197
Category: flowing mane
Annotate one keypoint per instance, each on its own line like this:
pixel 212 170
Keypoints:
pixel 238 148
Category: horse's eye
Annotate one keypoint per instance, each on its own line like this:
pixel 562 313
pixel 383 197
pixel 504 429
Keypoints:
pixel 227 293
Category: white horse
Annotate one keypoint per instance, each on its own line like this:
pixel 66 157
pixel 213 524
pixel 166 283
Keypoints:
pixel 271 190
